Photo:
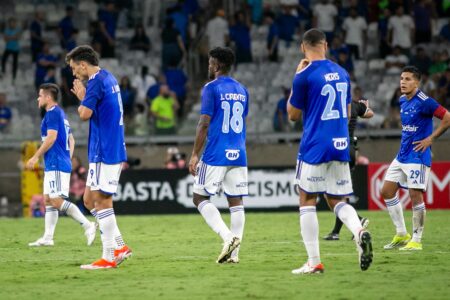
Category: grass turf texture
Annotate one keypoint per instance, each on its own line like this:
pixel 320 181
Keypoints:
pixel 174 258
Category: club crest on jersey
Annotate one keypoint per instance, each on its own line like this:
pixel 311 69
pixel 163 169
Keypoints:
pixel 231 154
pixel 340 143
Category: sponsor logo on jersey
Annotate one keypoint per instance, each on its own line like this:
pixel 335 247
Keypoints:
pixel 315 179
pixel 241 184
pixel 113 182
pixel 342 182
pixel 232 154
pixel 340 143
pixel 331 76
pixel 409 128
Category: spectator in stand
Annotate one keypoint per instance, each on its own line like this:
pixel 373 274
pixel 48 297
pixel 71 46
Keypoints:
pixel 12 36
pixel 355 28
pixel 190 7
pixel 393 120
pixel 304 14
pixel 444 34
pixel 345 61
pixel 325 14
pixel 45 62
pixel 240 35
pixel 140 121
pixel 217 30
pixel 429 86
pixel 177 82
pixel 5 113
pixel 396 61
pixel 337 46
pixel 66 27
pixel 50 75
pixel 141 83
pixel 71 43
pixel 255 8
pixel 128 96
pixel 96 36
pixel 280 118
pixel 67 97
pixel 272 36
pixel 287 25
pixel 140 40
pixel 173 48
pixel 164 109
pixel 439 62
pixel 77 183
pixel 37 40
pixel 180 19
pixel 421 60
pixel 401 30
pixel 107 18
pixel 383 33
pixel 444 89
pixel 422 13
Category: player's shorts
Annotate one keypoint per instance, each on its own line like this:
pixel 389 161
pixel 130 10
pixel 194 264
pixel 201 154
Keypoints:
pixel 56 184
pixel 332 178
pixel 408 176
pixel 209 180
pixel 103 177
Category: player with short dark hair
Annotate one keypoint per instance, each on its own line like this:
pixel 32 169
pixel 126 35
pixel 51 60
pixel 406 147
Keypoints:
pixel 101 104
pixel 57 148
pixel 224 160
pixel 411 167
pixel 321 91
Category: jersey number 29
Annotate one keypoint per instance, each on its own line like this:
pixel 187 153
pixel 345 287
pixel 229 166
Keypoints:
pixel 236 122
pixel 329 113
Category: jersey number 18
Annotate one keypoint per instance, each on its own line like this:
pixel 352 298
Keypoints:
pixel 236 122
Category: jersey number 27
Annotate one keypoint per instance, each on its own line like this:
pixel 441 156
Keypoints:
pixel 328 90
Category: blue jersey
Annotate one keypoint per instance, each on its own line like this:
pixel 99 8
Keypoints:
pixel 57 158
pixel 226 101
pixel 417 124
pixel 106 132
pixel 322 92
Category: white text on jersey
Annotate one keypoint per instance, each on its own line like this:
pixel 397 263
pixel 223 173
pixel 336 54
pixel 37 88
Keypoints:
pixel 233 96
pixel 115 89
pixel 409 128
pixel 331 76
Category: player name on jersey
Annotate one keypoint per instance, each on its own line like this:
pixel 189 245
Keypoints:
pixel 331 77
pixel 232 96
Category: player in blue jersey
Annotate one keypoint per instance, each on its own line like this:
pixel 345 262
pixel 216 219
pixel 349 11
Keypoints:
pixel 101 104
pixel 411 167
pixel 224 160
pixel 321 91
pixel 57 148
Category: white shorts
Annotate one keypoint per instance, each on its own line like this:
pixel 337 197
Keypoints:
pixel 408 176
pixel 103 177
pixel 56 184
pixel 332 178
pixel 210 179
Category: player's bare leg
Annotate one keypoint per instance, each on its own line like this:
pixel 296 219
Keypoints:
pixel 214 220
pixel 418 220
pixel 237 223
pixel 349 217
pixel 389 192
pixel 309 229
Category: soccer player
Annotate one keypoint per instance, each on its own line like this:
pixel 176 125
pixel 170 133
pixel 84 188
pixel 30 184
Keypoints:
pixel 101 104
pixel 321 90
pixel 57 148
pixel 411 167
pixel 224 160
pixel 360 108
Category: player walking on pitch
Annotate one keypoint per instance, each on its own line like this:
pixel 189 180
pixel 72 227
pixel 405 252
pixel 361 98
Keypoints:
pixel 224 160
pixel 321 90
pixel 57 148
pixel 101 104
pixel 411 167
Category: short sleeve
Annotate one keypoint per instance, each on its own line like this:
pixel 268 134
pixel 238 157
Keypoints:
pixel 207 101
pixel 94 93
pixel 429 106
pixel 299 91
pixel 52 120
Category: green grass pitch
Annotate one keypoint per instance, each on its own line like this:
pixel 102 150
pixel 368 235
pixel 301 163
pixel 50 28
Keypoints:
pixel 174 258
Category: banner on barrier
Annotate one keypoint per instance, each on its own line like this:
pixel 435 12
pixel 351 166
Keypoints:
pixel 170 191
pixel 437 195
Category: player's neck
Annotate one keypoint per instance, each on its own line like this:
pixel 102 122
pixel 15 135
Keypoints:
pixel 91 70
pixel 219 74
pixel 50 106
pixel 410 95
pixel 313 57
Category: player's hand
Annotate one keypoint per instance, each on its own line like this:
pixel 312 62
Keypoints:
pixel 303 64
pixel 78 89
pixel 423 144
pixel 193 162
pixel 31 163
pixel 366 102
